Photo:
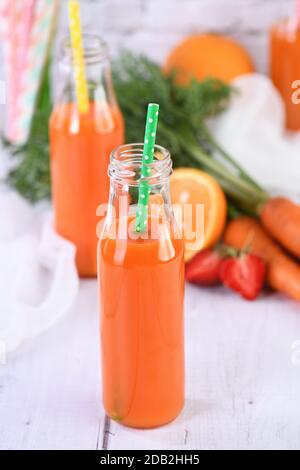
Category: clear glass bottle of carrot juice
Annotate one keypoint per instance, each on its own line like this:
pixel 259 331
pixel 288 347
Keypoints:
pixel 141 280
pixel 285 66
pixel 80 148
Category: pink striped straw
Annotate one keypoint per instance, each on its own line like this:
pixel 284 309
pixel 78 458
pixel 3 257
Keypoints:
pixel 12 39
pixel 15 30
pixel 42 29
pixel 25 22
pixel 17 18
pixel 16 39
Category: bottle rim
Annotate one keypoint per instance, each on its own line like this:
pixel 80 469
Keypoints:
pixel 94 48
pixel 126 163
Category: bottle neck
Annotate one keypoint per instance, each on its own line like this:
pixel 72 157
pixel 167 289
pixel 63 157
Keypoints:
pixel 126 164
pixel 97 69
pixel 125 171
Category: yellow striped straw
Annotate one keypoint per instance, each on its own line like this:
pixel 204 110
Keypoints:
pixel 78 57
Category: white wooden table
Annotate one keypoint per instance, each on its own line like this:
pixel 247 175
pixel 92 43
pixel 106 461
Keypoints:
pixel 243 390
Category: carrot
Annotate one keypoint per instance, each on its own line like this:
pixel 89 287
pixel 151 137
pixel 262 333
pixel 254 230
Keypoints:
pixel 283 274
pixel 281 218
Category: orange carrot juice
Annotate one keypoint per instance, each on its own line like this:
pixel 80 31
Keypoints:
pixel 142 330
pixel 80 149
pixel 285 66
pixel 141 279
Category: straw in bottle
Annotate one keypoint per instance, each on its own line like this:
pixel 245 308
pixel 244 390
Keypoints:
pixel 78 57
pixel 147 159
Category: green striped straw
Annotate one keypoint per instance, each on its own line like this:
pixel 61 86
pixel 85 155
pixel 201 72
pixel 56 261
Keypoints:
pixel 148 155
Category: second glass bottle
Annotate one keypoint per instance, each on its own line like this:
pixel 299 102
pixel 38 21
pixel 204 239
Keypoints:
pixel 80 149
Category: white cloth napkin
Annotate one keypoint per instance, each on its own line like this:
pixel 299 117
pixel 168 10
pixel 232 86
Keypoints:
pixel 252 130
pixel 38 278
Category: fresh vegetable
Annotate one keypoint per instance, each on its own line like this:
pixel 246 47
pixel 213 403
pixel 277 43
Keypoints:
pixel 281 218
pixel 208 55
pixel 283 274
pixel 204 268
pixel 199 190
pixel 244 273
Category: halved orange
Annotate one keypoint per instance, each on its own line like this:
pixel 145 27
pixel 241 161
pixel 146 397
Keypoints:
pixel 203 209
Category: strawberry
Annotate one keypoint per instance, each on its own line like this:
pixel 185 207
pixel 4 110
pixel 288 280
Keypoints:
pixel 244 274
pixel 204 268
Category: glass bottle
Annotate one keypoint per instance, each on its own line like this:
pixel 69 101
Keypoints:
pixel 80 148
pixel 285 67
pixel 141 283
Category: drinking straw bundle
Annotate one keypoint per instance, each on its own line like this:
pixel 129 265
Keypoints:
pixel 147 159
pixel 78 57
pixel 11 14
pixel 38 48
pixel 27 27
pixel 24 19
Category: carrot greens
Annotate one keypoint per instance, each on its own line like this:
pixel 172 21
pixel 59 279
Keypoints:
pixel 182 126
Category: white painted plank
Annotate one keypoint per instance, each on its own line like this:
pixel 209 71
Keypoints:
pixel 49 389
pixel 242 388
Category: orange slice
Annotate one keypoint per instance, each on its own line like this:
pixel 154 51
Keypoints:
pixel 200 209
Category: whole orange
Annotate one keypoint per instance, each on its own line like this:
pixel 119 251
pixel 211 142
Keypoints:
pixel 208 55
